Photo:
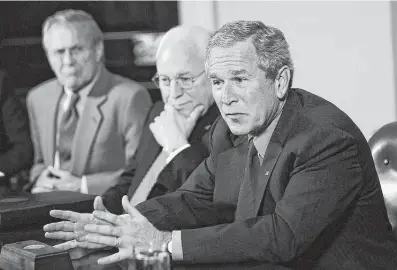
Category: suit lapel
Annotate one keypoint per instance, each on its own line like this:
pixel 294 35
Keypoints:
pixel 53 103
pixel 89 123
pixel 275 147
pixel 148 149
pixel 230 165
pixel 259 185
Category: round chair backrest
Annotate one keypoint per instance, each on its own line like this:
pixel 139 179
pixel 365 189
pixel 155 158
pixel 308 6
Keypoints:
pixel 383 146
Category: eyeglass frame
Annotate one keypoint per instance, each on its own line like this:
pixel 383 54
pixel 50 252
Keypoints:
pixel 177 80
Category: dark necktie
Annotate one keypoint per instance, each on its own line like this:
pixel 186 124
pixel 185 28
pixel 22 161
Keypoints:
pixel 246 200
pixel 67 128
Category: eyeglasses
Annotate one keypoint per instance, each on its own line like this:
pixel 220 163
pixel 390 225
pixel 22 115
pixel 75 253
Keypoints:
pixel 183 81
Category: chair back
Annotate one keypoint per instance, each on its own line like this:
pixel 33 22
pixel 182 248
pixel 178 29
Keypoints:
pixel 383 146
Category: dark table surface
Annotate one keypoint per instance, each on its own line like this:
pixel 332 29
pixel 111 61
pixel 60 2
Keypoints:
pixel 89 262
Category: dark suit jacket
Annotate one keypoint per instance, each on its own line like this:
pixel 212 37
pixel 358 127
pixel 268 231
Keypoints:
pixel 16 150
pixel 175 173
pixel 319 204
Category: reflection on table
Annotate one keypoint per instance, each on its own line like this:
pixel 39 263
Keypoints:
pixel 89 262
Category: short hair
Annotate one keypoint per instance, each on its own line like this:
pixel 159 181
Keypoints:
pixel 72 16
pixel 271 47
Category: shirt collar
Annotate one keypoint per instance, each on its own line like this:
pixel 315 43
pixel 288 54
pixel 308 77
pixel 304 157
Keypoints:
pixel 262 140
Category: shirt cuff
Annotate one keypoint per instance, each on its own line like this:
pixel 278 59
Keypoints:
pixel 177 252
pixel 1 174
pixel 176 152
pixel 84 186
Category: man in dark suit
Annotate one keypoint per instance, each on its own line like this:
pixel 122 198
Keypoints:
pixel 87 122
pixel 16 150
pixel 175 137
pixel 290 179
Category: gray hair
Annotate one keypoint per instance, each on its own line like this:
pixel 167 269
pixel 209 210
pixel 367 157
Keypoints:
pixel 271 47
pixel 70 17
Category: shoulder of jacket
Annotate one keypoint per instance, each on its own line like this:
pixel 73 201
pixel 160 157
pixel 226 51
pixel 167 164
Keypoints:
pixel 42 88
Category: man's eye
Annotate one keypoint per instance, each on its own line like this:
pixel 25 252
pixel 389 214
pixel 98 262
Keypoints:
pixel 216 82
pixel 77 49
pixel 59 52
pixel 184 79
pixel 239 79
pixel 164 79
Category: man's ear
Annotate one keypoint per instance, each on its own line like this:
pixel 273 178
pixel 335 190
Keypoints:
pixel 281 83
pixel 100 51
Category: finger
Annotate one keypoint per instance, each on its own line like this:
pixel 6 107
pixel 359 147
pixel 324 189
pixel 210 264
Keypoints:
pixel 98 204
pixel 40 190
pixel 86 244
pixel 152 127
pixel 66 226
pixel 168 107
pixel 68 215
pixel 195 114
pixel 131 210
pixel 61 235
pixel 54 171
pixel 65 186
pixel 106 216
pixel 103 229
pixel 67 245
pixel 117 257
pixel 102 239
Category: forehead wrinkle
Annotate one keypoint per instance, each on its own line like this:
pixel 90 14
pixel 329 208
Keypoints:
pixel 80 34
pixel 238 71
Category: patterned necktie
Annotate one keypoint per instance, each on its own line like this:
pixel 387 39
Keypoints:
pixel 67 128
pixel 246 200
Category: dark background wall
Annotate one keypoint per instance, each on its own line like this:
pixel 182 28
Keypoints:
pixel 22 55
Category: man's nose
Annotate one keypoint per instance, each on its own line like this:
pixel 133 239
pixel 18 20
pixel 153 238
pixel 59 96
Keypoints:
pixel 67 58
pixel 175 90
pixel 227 94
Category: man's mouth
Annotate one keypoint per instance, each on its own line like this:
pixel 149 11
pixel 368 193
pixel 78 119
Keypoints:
pixel 180 106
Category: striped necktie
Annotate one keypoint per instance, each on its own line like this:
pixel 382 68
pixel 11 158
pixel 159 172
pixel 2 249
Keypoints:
pixel 245 203
pixel 67 128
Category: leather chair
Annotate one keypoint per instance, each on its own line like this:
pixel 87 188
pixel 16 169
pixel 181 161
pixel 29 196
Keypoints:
pixel 383 146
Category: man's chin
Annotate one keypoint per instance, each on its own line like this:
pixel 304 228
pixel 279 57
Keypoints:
pixel 237 129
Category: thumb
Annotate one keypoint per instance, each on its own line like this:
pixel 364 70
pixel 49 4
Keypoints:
pixel 168 107
pixel 98 204
pixel 131 210
pixel 195 114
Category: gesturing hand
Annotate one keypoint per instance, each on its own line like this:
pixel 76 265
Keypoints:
pixel 73 226
pixel 125 232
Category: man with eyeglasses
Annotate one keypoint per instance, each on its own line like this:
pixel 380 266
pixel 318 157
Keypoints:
pixel 86 124
pixel 175 138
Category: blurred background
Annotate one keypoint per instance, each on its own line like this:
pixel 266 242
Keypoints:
pixel 344 51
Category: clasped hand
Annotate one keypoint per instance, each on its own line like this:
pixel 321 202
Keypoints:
pixel 54 179
pixel 103 229
pixel 171 129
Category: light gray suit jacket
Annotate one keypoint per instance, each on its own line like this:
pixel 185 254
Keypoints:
pixel 107 134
